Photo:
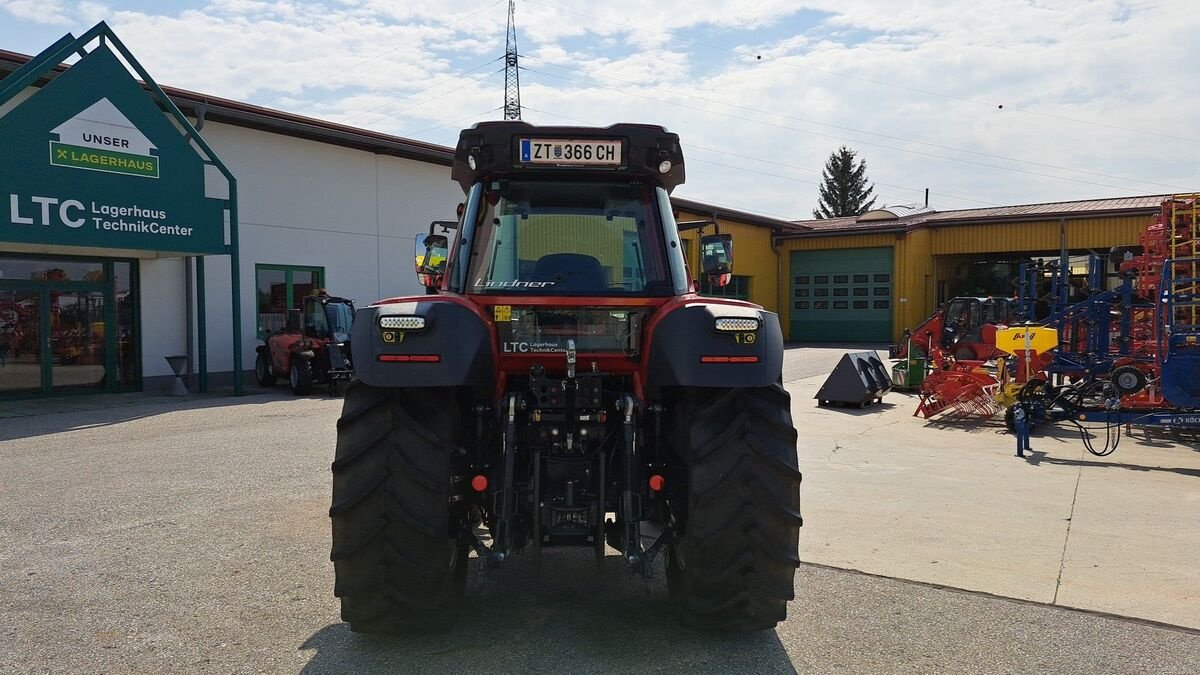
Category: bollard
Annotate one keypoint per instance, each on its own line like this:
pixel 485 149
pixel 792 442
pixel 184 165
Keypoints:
pixel 178 388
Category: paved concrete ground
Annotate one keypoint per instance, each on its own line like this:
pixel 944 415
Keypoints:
pixel 191 536
pixel 891 494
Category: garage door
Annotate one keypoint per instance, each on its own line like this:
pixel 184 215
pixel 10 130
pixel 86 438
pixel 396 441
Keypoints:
pixel 842 296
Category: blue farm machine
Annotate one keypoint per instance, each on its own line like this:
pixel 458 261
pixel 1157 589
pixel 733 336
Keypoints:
pixel 1126 354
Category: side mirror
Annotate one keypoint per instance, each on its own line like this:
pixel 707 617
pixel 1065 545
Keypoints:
pixel 431 252
pixel 716 255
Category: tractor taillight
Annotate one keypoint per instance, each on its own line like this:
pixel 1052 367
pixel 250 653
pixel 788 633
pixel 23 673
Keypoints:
pixel 657 482
pixel 479 483
pixel 728 359
pixel 410 358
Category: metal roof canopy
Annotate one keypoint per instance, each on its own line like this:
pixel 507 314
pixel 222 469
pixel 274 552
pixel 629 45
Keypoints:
pixel 121 150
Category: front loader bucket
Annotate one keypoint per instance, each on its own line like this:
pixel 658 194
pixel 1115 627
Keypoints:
pixel 859 378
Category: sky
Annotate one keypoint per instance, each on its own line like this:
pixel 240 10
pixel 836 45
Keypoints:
pixel 981 102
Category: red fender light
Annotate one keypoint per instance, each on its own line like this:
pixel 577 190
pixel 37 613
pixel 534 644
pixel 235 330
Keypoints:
pixel 479 483
pixel 657 482
pixel 410 358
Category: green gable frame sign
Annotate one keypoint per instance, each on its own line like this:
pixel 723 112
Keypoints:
pixel 91 159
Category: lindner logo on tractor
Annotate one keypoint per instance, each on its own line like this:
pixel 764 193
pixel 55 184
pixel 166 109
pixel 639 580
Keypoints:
pixel 567 388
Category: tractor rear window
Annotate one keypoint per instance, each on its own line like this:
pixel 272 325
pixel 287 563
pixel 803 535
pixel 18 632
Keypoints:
pixel 582 238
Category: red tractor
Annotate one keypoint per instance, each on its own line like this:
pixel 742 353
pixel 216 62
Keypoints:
pixel 964 328
pixel 565 386
pixel 312 348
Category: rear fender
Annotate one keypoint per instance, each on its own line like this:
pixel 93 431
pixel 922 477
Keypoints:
pixel 684 335
pixel 455 332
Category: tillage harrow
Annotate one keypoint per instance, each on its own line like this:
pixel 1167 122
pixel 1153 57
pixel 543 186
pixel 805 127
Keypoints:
pixel 1128 354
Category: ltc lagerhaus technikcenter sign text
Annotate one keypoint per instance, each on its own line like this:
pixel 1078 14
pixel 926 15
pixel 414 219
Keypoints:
pixel 89 160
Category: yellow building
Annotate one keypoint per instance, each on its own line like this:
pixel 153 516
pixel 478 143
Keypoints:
pixel 757 266
pixel 869 277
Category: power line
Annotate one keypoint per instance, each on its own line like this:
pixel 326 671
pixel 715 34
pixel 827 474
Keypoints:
pixel 692 158
pixel 410 134
pixel 802 168
pixel 417 105
pixel 369 60
pixel 837 138
pixel 633 29
pixel 902 139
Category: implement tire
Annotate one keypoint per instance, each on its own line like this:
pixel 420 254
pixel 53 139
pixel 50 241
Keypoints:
pixel 399 558
pixel 733 568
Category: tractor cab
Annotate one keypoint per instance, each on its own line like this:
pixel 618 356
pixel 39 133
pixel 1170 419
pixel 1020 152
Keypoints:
pixel 566 240
pixel 328 318
pixel 969 326
pixel 967 318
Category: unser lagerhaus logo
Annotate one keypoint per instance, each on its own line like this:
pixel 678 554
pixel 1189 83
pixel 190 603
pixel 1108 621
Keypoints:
pixel 101 138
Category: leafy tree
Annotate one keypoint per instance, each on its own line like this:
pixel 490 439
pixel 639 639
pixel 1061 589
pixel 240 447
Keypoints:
pixel 844 190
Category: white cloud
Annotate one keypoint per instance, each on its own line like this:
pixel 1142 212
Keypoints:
pixel 935 72
pixel 37 11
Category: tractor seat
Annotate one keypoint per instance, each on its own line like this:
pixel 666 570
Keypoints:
pixel 571 272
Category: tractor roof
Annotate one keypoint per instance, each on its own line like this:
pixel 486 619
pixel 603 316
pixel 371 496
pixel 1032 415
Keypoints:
pixel 497 149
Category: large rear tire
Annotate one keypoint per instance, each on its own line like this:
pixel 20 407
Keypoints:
pixel 399 559
pixel 734 566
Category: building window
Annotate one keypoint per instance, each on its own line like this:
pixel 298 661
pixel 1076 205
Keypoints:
pixel 802 304
pixel 860 304
pixel 801 280
pixel 840 304
pixel 280 288
pixel 820 280
pixel 881 304
pixel 821 292
pixel 737 288
pixel 860 292
pixel 883 278
pixel 882 290
pixel 860 278
pixel 841 292
pixel 841 279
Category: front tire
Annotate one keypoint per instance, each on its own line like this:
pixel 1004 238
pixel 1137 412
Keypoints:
pixel 735 563
pixel 262 371
pixel 300 376
pixel 400 562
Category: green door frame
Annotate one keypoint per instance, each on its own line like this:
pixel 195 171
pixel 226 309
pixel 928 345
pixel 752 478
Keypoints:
pixel 287 280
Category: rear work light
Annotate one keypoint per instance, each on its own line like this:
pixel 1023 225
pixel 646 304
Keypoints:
pixel 728 359
pixel 410 358
pixel 402 322
pixel 736 324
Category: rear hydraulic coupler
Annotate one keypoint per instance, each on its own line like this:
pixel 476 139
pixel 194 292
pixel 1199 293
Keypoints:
pixel 631 501
pixel 503 544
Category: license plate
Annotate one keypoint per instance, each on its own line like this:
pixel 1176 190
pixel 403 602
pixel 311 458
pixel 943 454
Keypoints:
pixel 574 152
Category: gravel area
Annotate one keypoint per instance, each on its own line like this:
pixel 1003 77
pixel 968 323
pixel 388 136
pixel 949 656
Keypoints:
pixel 192 536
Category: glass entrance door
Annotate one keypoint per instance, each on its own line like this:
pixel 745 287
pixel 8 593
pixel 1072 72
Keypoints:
pixel 67 325
pixel 77 340
pixel 20 342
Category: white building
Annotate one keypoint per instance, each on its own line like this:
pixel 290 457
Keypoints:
pixel 319 205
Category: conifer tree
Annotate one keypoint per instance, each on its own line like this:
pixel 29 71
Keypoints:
pixel 844 190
